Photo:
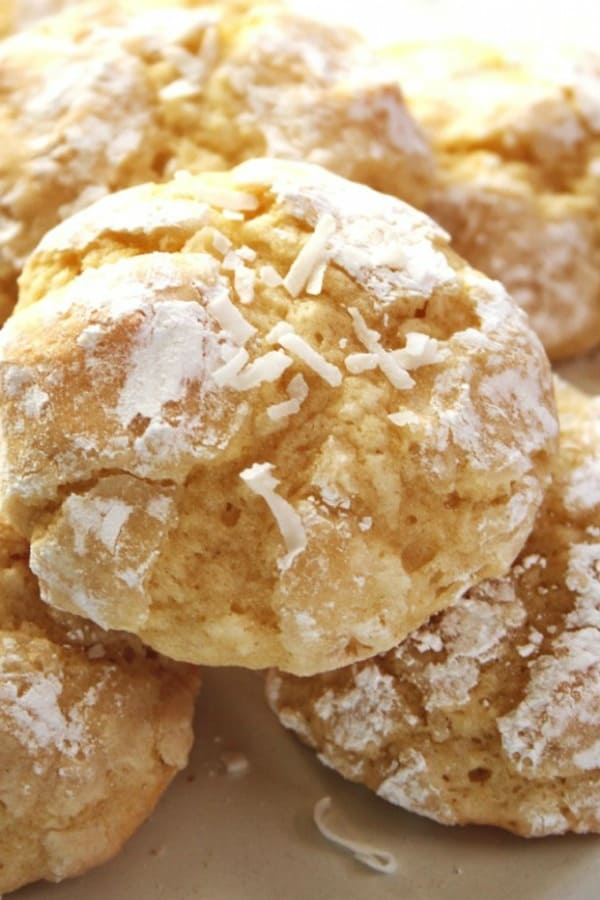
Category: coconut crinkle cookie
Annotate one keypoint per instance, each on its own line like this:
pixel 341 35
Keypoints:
pixel 490 713
pixel 93 727
pixel 111 94
pixel 517 137
pixel 267 417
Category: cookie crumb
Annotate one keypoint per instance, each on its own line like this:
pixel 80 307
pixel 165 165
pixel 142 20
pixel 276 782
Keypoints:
pixel 234 762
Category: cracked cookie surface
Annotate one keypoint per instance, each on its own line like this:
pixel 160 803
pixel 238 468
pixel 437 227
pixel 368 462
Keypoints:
pixel 517 137
pixel 490 713
pixel 267 417
pixel 107 95
pixel 93 728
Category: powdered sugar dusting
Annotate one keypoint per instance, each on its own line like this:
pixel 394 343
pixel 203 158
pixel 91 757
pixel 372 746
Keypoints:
pixel 547 731
pixel 583 491
pixel 102 519
pixel 166 358
pixel 157 393
pixel 136 211
pixel 410 786
pixel 385 245
pixel 31 702
pixel 324 75
pixel 470 635
pixel 363 714
pixel 121 523
pixel 583 578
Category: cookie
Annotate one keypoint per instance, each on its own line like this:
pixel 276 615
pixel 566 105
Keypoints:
pixel 104 96
pixel 490 713
pixel 93 727
pixel 267 417
pixel 517 137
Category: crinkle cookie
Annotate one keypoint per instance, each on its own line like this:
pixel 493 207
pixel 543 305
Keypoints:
pixel 490 713
pixel 267 417
pixel 104 96
pixel 93 727
pixel 517 137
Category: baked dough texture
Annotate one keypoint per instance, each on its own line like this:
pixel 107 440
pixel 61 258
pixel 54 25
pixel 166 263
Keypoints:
pixel 107 95
pixel 93 727
pixel 267 417
pixel 517 138
pixel 490 713
pixel 18 14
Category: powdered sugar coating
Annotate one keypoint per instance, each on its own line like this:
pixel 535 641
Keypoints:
pixel 201 371
pixel 490 713
pixel 92 729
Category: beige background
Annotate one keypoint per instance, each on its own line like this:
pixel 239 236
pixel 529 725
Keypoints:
pixel 251 837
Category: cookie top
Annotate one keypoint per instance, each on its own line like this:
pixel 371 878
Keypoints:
pixel 517 136
pixel 285 422
pixel 490 713
pixel 93 727
pixel 110 94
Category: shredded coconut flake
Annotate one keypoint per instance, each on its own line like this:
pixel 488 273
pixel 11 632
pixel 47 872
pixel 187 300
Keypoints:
pixel 298 392
pixel 310 257
pixel 314 285
pixel 221 243
pixel 379 860
pixel 404 417
pixel 246 253
pixel 260 480
pixel 269 367
pixel 420 350
pixel 284 335
pixel 225 375
pixel 357 363
pixel 270 276
pixel 243 282
pixel 230 319
pixel 386 361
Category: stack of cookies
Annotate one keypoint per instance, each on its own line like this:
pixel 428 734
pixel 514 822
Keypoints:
pixel 255 410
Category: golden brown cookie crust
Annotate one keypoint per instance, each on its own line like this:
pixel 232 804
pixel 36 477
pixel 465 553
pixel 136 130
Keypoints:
pixel 517 137
pixel 490 713
pixel 93 727
pixel 106 95
pixel 287 435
